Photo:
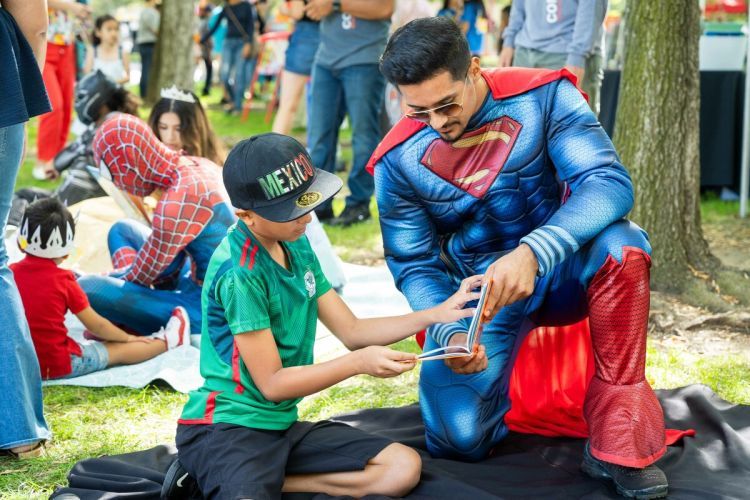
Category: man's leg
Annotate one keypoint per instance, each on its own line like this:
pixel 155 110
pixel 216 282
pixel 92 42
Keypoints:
pixel 625 420
pixel 125 239
pixel 326 115
pixel 592 81
pixel 364 89
pixel 463 414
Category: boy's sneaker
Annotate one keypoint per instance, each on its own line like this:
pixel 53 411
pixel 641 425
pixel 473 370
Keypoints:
pixel 178 484
pixel 642 484
pixel 177 330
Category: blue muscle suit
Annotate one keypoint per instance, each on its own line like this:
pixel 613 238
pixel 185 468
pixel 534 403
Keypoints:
pixel 533 166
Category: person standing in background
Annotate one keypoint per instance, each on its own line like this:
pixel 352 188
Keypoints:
pixel 474 10
pixel 298 62
pixel 59 79
pixel 148 33
pixel 346 80
pixel 23 43
pixel 557 34
pixel 238 57
pixel 106 52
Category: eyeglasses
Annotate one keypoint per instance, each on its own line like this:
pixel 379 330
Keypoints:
pixel 450 110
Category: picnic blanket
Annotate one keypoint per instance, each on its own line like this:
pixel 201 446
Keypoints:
pixel 713 464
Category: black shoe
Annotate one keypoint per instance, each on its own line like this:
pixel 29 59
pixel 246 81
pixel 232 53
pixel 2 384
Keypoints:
pixel 325 215
pixel 352 215
pixel 178 484
pixel 642 484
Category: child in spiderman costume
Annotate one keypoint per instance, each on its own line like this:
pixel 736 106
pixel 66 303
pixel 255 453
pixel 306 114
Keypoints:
pixel 508 173
pixel 161 267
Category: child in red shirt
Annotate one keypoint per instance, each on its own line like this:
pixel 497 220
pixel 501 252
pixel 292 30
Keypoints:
pixel 48 292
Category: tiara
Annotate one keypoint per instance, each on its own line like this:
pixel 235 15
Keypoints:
pixel 177 95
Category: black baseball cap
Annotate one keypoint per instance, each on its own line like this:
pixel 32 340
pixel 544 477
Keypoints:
pixel 272 175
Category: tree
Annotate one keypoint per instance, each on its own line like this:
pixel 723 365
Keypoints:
pixel 173 61
pixel 657 135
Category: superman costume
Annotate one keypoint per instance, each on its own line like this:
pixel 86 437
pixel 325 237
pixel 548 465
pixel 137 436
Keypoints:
pixel 157 268
pixel 534 166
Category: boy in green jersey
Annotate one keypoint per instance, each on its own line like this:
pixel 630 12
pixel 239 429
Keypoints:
pixel 238 435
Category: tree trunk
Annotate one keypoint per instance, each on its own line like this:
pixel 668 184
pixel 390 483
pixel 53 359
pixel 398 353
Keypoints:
pixel 173 58
pixel 657 134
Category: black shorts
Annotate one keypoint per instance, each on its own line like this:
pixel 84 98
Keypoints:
pixel 231 461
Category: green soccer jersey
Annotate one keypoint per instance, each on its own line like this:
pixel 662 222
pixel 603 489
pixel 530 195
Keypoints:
pixel 245 290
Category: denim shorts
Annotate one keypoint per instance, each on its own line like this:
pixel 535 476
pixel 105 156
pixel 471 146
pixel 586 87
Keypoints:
pixel 94 358
pixel 303 44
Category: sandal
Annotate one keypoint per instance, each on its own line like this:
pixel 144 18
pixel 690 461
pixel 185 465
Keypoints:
pixel 26 451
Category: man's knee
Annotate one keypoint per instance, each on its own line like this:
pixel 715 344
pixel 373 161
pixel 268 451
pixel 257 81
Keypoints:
pixel 618 236
pixel 457 426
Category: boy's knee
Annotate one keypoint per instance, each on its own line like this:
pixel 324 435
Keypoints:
pixel 402 467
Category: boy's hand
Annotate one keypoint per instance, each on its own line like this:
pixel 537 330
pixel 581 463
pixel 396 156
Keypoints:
pixel 384 362
pixel 452 309
pixel 477 362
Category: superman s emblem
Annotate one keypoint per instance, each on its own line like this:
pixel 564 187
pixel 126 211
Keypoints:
pixel 472 162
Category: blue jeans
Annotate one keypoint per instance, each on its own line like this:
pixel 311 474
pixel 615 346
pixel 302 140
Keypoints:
pixel 235 69
pixel 357 91
pixel 147 56
pixel 20 381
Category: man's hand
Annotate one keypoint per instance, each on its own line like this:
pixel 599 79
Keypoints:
pixel 506 57
pixel 477 362
pixel 512 278
pixel 579 72
pixel 318 9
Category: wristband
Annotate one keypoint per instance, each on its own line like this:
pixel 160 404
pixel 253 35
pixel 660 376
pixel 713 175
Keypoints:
pixel 337 5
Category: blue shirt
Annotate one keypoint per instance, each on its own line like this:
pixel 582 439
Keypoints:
pixel 22 91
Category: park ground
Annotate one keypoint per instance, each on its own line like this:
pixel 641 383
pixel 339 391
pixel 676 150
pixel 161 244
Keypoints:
pixel 687 345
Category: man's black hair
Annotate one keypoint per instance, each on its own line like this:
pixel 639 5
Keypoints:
pixel 423 48
pixel 47 214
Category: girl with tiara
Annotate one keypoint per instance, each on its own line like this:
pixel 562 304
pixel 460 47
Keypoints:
pixel 180 122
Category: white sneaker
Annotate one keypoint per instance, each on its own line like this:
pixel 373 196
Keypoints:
pixel 177 330
pixel 39 173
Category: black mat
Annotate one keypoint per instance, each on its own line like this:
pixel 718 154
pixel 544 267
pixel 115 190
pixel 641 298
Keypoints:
pixel 713 464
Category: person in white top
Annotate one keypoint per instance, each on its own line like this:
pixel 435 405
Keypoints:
pixel 106 54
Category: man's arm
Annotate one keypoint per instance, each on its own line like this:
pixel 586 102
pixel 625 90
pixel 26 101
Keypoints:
pixel 411 247
pixel 363 9
pixel 31 17
pixel 583 154
pixel 515 23
pixel 589 17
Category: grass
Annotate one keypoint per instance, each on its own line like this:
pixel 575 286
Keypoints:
pixel 89 422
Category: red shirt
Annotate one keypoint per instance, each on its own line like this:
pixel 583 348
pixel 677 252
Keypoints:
pixel 47 292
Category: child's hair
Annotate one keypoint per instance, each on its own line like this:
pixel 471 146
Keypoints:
pixel 124 101
pixel 48 214
pixel 198 138
pixel 95 40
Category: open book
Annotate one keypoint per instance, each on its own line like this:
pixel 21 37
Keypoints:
pixel 473 337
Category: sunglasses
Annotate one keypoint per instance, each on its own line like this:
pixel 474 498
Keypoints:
pixel 450 110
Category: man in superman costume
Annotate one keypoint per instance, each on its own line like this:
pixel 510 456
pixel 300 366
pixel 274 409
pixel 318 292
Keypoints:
pixel 508 173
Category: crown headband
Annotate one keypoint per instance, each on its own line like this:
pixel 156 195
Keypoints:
pixel 56 245
pixel 177 95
